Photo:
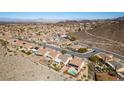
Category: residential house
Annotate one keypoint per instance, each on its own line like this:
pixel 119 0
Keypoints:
pixel 43 51
pixel 65 58
pixel 74 66
pixel 51 54
pixel 105 57
pixel 77 63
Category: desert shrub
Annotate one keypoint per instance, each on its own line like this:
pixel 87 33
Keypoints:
pixel 79 29
pixel 21 46
pixel 72 38
pixel 63 51
pixel 9 50
pixel 4 43
pixel 82 50
pixel 27 52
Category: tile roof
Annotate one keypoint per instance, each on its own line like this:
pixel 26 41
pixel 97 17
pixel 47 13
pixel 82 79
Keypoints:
pixel 76 61
pixel 64 57
pixel 53 53
pixel 43 50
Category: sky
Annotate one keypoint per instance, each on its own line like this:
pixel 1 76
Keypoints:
pixel 61 15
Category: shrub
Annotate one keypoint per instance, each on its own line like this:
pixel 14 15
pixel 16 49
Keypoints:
pixel 72 38
pixel 27 52
pixel 63 51
pixel 79 29
pixel 4 43
pixel 21 46
pixel 82 50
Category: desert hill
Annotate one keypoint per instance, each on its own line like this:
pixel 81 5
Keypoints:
pixel 110 30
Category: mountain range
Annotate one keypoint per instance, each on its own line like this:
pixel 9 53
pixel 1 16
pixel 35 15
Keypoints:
pixel 43 20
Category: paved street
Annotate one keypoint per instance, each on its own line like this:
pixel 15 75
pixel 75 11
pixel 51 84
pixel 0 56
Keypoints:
pixel 94 50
